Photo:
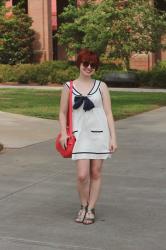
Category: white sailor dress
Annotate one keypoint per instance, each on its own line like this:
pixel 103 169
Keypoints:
pixel 90 125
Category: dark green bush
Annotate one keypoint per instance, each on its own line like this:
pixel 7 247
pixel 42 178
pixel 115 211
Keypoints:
pixel 156 78
pixel 62 71
pixel 1 79
pixel 62 76
pixel 7 73
pixel 22 73
pixel 53 71
pixel 23 78
pixel 16 36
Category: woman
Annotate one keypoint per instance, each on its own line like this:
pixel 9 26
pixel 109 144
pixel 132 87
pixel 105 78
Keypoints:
pixel 93 127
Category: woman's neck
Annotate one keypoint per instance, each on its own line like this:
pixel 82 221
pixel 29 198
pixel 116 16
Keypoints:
pixel 83 78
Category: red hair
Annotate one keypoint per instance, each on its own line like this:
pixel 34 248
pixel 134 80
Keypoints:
pixel 86 55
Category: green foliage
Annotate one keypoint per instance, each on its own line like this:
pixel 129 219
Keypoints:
pixel 155 78
pixel 2 3
pixel 7 73
pixel 112 28
pixel 62 71
pixel 52 71
pixel 16 36
pixel 106 68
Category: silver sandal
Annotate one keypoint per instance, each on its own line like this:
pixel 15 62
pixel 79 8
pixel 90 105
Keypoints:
pixel 89 217
pixel 81 214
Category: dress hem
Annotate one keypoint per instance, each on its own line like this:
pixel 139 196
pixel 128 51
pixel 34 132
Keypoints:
pixel 91 156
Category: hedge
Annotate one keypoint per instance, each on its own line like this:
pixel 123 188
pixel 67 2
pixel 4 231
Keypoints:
pixel 156 78
pixel 53 71
pixel 62 71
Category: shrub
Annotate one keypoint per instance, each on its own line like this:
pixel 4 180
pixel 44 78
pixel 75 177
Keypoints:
pixel 156 78
pixel 16 36
pixel 7 73
pixel 53 71
pixel 1 78
pixel 61 76
pixel 22 72
pixel 61 71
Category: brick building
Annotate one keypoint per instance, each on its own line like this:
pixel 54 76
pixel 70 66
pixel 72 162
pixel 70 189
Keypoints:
pixel 45 22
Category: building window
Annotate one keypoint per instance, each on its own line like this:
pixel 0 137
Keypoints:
pixel 160 4
pixel 25 4
pixel 58 51
pixel 60 6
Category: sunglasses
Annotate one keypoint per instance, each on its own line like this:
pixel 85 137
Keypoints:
pixel 86 64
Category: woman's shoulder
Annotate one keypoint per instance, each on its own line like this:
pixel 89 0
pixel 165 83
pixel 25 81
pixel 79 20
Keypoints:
pixel 101 84
pixel 67 84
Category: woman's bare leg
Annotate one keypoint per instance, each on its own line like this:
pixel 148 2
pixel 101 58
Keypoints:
pixel 83 180
pixel 95 181
pixel 95 186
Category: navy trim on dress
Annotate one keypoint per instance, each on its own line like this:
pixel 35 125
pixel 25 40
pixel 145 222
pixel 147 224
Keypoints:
pixel 92 87
pixel 67 84
pixel 75 131
pixel 88 92
pixel 97 131
pixel 72 90
pixel 79 94
pixel 96 89
pixel 101 94
pixel 76 91
pixel 91 153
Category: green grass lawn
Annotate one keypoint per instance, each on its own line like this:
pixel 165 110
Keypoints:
pixel 45 103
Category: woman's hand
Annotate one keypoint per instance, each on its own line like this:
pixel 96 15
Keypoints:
pixel 113 146
pixel 63 140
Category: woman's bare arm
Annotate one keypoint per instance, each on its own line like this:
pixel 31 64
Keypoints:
pixel 108 111
pixel 64 102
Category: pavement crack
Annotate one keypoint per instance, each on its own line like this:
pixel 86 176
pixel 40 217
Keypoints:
pixel 47 244
pixel 26 187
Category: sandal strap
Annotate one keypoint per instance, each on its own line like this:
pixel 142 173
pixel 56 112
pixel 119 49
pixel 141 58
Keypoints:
pixel 81 214
pixel 89 217
pixel 92 210
pixel 84 207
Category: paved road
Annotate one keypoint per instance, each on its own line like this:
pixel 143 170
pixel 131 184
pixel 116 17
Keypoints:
pixel 38 198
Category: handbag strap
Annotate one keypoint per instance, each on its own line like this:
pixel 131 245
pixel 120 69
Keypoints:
pixel 70 109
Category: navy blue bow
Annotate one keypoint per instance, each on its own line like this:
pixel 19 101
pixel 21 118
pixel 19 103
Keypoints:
pixel 79 100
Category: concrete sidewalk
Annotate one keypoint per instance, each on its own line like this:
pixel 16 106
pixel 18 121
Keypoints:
pixel 17 131
pixel 38 197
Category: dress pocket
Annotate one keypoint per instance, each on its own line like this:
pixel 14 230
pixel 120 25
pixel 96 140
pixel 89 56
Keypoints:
pixel 96 135
pixel 97 131
pixel 75 131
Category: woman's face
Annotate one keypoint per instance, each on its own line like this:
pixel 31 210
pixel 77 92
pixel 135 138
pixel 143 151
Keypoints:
pixel 87 68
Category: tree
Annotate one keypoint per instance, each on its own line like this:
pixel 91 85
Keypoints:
pixel 16 36
pixel 2 2
pixel 113 28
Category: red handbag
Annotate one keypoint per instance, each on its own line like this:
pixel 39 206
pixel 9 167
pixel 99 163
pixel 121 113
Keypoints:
pixel 67 152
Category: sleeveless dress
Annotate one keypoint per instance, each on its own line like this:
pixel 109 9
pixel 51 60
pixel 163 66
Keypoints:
pixel 90 125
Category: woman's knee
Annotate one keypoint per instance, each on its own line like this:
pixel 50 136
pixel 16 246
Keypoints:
pixel 96 170
pixel 82 178
pixel 83 170
pixel 95 174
